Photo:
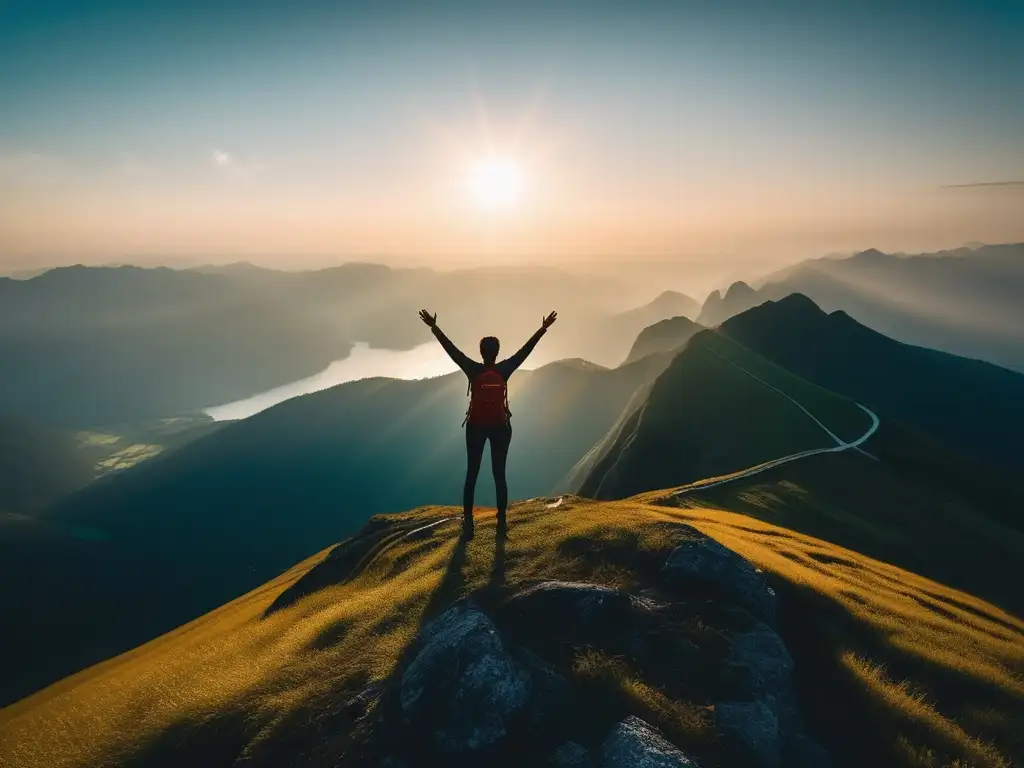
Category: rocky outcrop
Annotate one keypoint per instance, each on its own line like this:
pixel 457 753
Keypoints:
pixel 579 610
pixel 463 685
pixel 751 731
pixel 494 679
pixel 703 562
pixel 635 744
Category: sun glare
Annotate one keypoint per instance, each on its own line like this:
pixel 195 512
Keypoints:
pixel 496 183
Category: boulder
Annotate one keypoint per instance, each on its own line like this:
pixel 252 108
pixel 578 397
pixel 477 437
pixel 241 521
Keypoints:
pixel 704 563
pixel 575 613
pixel 633 743
pixel 588 604
pixel 549 702
pixel 463 686
pixel 749 730
pixel 759 665
pixel 571 755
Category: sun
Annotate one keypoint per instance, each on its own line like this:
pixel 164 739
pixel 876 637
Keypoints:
pixel 496 183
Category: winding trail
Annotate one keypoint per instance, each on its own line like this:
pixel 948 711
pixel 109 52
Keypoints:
pixel 840 446
pixel 701 485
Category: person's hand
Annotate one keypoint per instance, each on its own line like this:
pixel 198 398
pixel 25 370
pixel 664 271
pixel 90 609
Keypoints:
pixel 548 321
pixel 430 321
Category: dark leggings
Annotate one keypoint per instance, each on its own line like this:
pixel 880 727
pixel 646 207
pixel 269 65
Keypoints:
pixel 500 438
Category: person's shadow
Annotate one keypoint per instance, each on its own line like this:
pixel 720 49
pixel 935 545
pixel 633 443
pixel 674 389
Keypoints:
pixel 497 579
pixel 454 580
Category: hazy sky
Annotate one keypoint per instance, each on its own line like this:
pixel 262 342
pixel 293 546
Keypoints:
pixel 672 129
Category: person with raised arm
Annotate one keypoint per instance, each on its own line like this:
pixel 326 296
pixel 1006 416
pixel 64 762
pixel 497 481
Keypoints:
pixel 488 417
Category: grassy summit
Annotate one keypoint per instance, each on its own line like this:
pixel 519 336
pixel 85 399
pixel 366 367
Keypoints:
pixel 891 668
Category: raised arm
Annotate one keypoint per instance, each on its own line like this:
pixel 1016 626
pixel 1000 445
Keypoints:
pixel 510 365
pixel 456 354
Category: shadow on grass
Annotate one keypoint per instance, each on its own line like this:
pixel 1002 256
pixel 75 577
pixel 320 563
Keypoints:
pixel 857 724
pixel 497 579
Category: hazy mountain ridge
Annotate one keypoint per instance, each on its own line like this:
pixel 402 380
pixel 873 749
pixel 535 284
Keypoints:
pixel 717 307
pixel 144 343
pixel 663 336
pixel 965 302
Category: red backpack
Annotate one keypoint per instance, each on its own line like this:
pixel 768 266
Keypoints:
pixel 488 399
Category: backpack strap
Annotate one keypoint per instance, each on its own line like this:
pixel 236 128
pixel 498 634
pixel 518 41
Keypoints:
pixel 469 394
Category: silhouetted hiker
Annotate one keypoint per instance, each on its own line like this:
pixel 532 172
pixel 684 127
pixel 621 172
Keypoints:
pixel 488 416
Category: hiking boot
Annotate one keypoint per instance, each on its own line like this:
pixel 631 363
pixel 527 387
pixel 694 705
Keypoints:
pixel 502 528
pixel 467 526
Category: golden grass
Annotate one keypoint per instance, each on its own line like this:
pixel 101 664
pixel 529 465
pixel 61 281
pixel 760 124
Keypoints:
pixel 264 673
pixel 906 703
pixel 687 724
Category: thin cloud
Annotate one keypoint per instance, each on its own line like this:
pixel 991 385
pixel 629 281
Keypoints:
pixel 985 184
pixel 227 163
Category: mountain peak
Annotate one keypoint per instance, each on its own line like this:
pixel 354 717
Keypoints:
pixel 797 302
pixel 871 254
pixel 796 309
pixel 739 288
pixel 670 294
pixel 664 336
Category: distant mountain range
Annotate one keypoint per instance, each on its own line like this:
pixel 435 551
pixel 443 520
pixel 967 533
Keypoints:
pixel 966 301
pixel 86 347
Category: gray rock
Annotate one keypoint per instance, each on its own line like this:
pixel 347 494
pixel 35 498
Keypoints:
pixel 549 694
pixel 635 744
pixel 703 561
pixel 463 685
pixel 577 613
pixel 761 665
pixel 571 755
pixel 588 603
pixel 750 731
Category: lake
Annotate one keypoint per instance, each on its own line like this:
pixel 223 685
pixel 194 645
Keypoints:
pixel 363 362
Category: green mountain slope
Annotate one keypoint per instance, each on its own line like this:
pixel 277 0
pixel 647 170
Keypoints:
pixel 38 465
pixel 717 408
pixel 975 408
pixel 208 521
pixel 905 502
pixel 716 432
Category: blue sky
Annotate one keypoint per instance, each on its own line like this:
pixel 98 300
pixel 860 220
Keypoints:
pixel 657 128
